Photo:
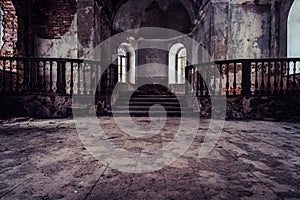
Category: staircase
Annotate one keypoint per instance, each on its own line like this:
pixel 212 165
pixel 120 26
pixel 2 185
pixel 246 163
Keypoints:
pixel 156 98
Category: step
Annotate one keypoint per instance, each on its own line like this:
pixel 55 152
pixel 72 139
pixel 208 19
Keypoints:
pixel 154 113
pixel 142 98
pixel 146 113
pixel 150 96
pixel 143 103
pixel 133 108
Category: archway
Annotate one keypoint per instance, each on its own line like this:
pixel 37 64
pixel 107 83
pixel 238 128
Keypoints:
pixel 167 14
pixel 126 64
pixel 293 36
pixel 177 64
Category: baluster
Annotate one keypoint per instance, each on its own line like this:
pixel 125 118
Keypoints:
pixel 36 84
pixel 105 81
pixel 186 82
pixel 246 78
pixel 281 78
pixel 227 79
pixel 214 79
pixel 194 80
pixel 288 78
pixel 91 79
pixel 234 79
pixel 275 92
pixel 51 78
pixel 72 79
pixel 269 78
pixel 84 78
pixel 10 76
pixel 109 78
pixel 17 78
pixel 61 77
pixel 189 80
pixel 262 78
pixel 221 83
pixel 113 76
pixel 44 77
pixel 197 81
pixel 97 79
pixel 58 79
pixel 31 75
pixel 25 75
pixel 121 70
pixel 294 77
pixel 78 77
pixel 207 80
pixel 201 81
pixel 256 79
pixel 105 78
pixel 4 77
pixel 102 80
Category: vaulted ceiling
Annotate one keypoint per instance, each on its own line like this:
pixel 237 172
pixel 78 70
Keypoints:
pixel 157 13
pixel 114 5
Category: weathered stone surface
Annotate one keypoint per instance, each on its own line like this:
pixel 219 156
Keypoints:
pixel 45 159
pixel 281 108
pixel 37 106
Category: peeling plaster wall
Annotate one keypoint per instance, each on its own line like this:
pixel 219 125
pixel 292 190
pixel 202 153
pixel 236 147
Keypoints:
pixel 62 47
pixel 235 29
pixel 249 31
pixel 69 39
pixel 85 22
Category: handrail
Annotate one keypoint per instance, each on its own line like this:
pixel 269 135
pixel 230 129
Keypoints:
pixel 250 77
pixel 251 60
pixel 69 76
pixel 65 76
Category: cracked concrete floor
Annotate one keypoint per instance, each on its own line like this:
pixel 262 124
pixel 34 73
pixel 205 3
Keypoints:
pixel 45 159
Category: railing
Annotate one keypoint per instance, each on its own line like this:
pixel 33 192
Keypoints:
pixel 245 77
pixel 60 76
pixel 250 77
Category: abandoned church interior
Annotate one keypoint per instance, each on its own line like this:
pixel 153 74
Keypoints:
pixel 245 51
pixel 231 60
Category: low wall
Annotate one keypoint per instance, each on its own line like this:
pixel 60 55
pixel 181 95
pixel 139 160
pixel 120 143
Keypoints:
pixel 277 108
pixel 48 105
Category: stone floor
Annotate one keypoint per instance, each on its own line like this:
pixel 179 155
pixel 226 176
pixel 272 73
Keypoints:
pixel 46 159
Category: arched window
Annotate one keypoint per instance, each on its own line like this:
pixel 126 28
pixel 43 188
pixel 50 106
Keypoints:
pixel 122 65
pixel 126 63
pixel 293 29
pixel 177 64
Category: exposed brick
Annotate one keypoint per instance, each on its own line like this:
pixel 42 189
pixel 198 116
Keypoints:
pixel 53 18
pixel 10 29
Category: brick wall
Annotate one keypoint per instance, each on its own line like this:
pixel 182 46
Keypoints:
pixel 10 29
pixel 53 18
